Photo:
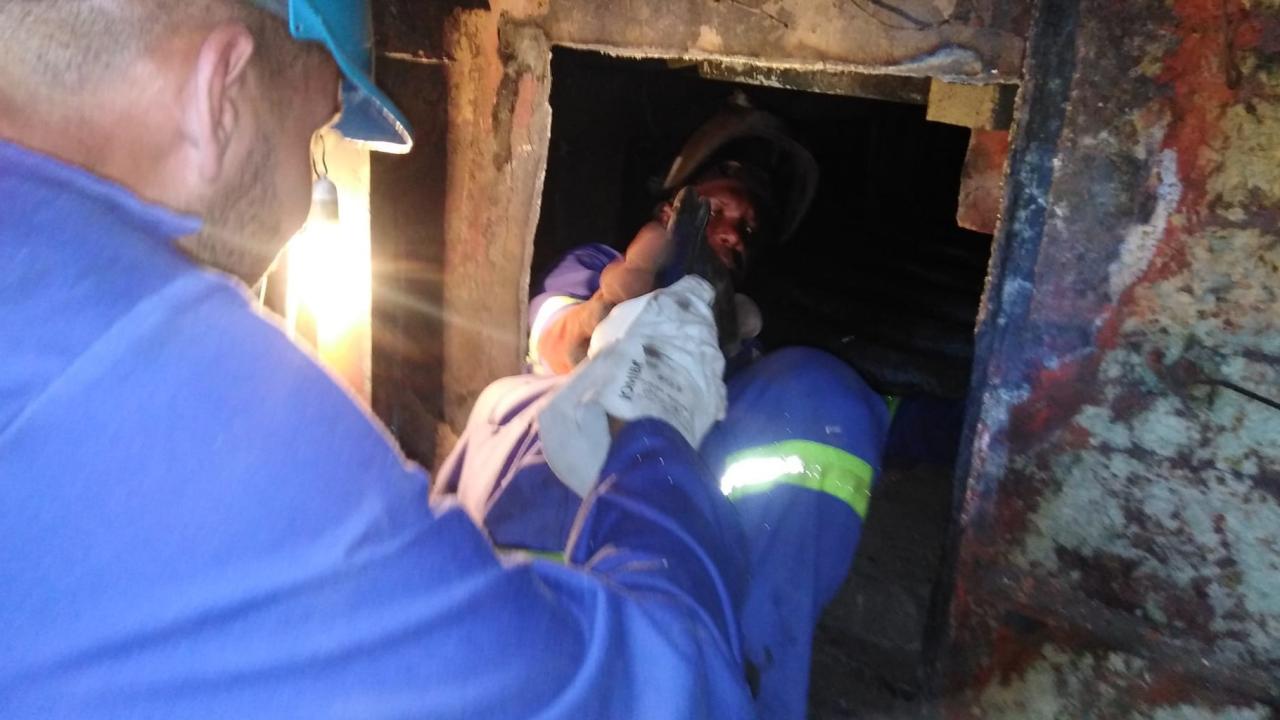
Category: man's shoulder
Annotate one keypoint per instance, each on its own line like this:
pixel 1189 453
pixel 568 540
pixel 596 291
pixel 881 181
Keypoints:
pixel 593 256
pixel 577 272
pixel 232 358
pixel 576 276
pixel 193 372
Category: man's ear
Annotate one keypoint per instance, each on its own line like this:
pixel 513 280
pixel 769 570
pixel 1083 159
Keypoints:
pixel 218 96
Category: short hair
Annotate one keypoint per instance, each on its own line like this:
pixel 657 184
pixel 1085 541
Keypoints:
pixel 63 47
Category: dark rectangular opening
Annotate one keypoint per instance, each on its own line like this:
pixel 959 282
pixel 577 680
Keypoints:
pixel 878 274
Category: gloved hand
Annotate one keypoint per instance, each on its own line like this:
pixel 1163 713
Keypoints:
pixel 658 245
pixel 656 356
pixel 678 242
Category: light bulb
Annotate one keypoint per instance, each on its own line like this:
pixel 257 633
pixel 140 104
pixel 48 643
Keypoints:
pixel 324 200
pixel 328 272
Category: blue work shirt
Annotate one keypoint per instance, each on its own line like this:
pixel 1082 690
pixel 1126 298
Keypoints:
pixel 198 521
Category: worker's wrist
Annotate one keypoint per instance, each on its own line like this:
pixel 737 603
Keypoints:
pixel 563 343
pixel 622 281
pixel 592 312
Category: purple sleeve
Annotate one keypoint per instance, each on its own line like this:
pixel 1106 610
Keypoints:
pixel 576 275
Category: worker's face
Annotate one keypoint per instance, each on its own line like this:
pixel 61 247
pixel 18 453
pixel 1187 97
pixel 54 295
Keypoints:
pixel 733 223
pixel 266 193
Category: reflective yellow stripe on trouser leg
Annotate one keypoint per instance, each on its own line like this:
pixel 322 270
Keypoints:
pixel 803 463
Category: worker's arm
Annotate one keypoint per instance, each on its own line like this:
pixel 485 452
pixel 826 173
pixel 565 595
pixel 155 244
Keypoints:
pixel 564 306
pixel 563 342
pixel 229 535
pixel 662 544
pixel 560 340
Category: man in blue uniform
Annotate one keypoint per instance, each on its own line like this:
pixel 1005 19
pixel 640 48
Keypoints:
pixel 198 522
pixel 797 451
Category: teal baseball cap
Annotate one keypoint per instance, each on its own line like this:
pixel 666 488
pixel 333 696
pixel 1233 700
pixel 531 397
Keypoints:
pixel 345 27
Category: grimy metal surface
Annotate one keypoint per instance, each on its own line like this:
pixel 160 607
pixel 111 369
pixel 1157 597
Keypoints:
pixel 497 56
pixel 905 37
pixel 1120 551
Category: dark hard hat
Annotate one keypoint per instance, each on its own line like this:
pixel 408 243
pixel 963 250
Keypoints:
pixel 756 148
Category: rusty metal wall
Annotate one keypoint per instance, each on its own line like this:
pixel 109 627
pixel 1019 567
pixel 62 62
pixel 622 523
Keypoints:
pixel 1120 554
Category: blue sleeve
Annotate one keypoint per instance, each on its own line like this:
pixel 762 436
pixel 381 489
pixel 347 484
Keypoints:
pixel 224 533
pixel 576 275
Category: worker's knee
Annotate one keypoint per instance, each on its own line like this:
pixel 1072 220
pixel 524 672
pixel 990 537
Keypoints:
pixel 801 373
pixel 803 394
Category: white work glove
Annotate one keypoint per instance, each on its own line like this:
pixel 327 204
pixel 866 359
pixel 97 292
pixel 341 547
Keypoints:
pixel 655 356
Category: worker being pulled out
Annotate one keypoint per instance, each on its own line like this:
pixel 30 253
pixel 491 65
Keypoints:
pixel 800 440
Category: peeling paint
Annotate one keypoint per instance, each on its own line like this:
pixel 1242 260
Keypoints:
pixel 945 61
pixel 1140 241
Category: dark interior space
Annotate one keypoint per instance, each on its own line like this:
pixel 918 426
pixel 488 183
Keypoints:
pixel 878 274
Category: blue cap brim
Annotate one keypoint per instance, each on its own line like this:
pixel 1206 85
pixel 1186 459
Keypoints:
pixel 370 118
pixel 344 28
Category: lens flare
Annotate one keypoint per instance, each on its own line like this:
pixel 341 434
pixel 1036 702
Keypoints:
pixel 329 285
